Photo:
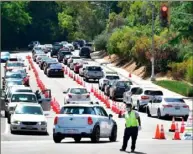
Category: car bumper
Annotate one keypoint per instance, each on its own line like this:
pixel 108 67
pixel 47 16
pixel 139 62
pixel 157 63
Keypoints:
pixel 175 113
pixel 73 132
pixel 31 128
pixel 60 73
pixel 68 101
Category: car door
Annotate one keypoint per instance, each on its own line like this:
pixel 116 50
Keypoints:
pixel 155 105
pixel 105 122
pixel 45 98
pixel 135 96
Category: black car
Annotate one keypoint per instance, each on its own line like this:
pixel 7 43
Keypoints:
pixel 76 45
pixel 32 44
pixel 47 65
pixel 55 49
pixel 42 61
pixel 63 53
pixel 85 52
pixel 81 43
pixel 55 70
pixel 118 88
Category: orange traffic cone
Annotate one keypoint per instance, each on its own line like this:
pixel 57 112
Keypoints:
pixel 177 133
pixel 157 132
pixel 172 128
pixel 162 134
pixel 92 89
pixel 182 126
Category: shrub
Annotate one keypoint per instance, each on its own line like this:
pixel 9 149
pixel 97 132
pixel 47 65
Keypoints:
pixel 101 41
pixel 189 71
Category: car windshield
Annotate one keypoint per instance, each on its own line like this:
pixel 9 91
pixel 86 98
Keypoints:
pixel 29 110
pixel 174 100
pixel 85 50
pixel 112 77
pixel 13 75
pixel 58 66
pixel 124 83
pixel 77 110
pixel 153 92
pixel 66 53
pixel 78 91
pixel 23 98
pixel 94 68
pixel 15 64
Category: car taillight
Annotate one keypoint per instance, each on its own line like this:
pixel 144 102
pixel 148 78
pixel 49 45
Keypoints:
pixel 90 122
pixel 144 97
pixel 185 106
pixel 70 96
pixel 55 120
pixel 165 106
pixel 87 96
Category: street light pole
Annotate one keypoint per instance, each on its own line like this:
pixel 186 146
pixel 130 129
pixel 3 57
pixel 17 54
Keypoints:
pixel 152 47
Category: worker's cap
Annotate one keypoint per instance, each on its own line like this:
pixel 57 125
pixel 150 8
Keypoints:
pixel 129 105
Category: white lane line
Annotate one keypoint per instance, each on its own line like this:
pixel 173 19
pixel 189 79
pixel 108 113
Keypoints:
pixel 7 127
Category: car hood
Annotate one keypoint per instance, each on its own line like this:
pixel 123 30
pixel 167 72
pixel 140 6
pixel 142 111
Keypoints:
pixel 11 104
pixel 28 117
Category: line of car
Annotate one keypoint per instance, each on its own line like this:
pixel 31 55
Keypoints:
pixel 80 117
pixel 23 108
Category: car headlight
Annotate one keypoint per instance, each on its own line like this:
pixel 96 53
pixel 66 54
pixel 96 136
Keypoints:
pixel 42 123
pixel 16 122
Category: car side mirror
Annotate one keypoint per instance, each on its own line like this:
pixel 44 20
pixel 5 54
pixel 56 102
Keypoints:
pixel 110 116
pixel 64 92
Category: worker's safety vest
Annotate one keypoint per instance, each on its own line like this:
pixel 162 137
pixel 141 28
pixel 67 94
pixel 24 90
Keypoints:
pixel 131 120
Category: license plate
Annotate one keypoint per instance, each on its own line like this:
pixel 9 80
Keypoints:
pixel 177 108
pixel 29 127
pixel 71 131
pixel 78 97
pixel 56 70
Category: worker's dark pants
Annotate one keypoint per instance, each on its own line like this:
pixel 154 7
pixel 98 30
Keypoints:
pixel 130 132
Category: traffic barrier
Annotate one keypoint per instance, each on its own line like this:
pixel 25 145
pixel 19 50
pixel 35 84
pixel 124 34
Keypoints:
pixel 182 128
pixel 177 133
pixel 172 128
pixel 157 132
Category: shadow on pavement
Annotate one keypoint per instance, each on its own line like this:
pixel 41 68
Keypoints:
pixel 30 133
pixel 87 142
pixel 137 152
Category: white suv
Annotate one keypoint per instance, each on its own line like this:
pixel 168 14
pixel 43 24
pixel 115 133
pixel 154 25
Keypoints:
pixel 142 95
pixel 108 76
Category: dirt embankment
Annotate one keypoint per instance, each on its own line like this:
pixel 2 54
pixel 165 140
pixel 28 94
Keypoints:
pixel 131 66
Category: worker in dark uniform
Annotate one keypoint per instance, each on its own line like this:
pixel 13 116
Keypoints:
pixel 133 125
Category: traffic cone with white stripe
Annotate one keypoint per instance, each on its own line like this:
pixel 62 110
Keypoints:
pixel 182 126
pixel 162 134
pixel 177 133
pixel 172 128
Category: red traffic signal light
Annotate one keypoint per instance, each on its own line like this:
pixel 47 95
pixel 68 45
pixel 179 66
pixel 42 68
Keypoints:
pixel 164 11
pixel 164 8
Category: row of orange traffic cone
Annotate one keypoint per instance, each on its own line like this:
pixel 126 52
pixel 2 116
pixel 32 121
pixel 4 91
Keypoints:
pixel 173 126
pixel 160 134
pixel 54 104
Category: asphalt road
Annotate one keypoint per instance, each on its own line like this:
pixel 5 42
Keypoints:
pixel 34 143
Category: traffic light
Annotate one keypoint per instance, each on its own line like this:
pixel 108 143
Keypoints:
pixel 164 15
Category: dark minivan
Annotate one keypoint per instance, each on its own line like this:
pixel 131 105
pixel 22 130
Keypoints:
pixel 85 52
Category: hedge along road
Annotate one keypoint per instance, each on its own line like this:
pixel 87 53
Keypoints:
pixel 25 143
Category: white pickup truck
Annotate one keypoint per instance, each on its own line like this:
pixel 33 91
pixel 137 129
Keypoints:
pixel 84 121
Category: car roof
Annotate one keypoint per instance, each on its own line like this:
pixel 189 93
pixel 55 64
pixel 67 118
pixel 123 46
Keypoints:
pixel 13 72
pixel 150 88
pixel 21 87
pixel 29 104
pixel 78 87
pixel 30 93
pixel 93 65
pixel 81 105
